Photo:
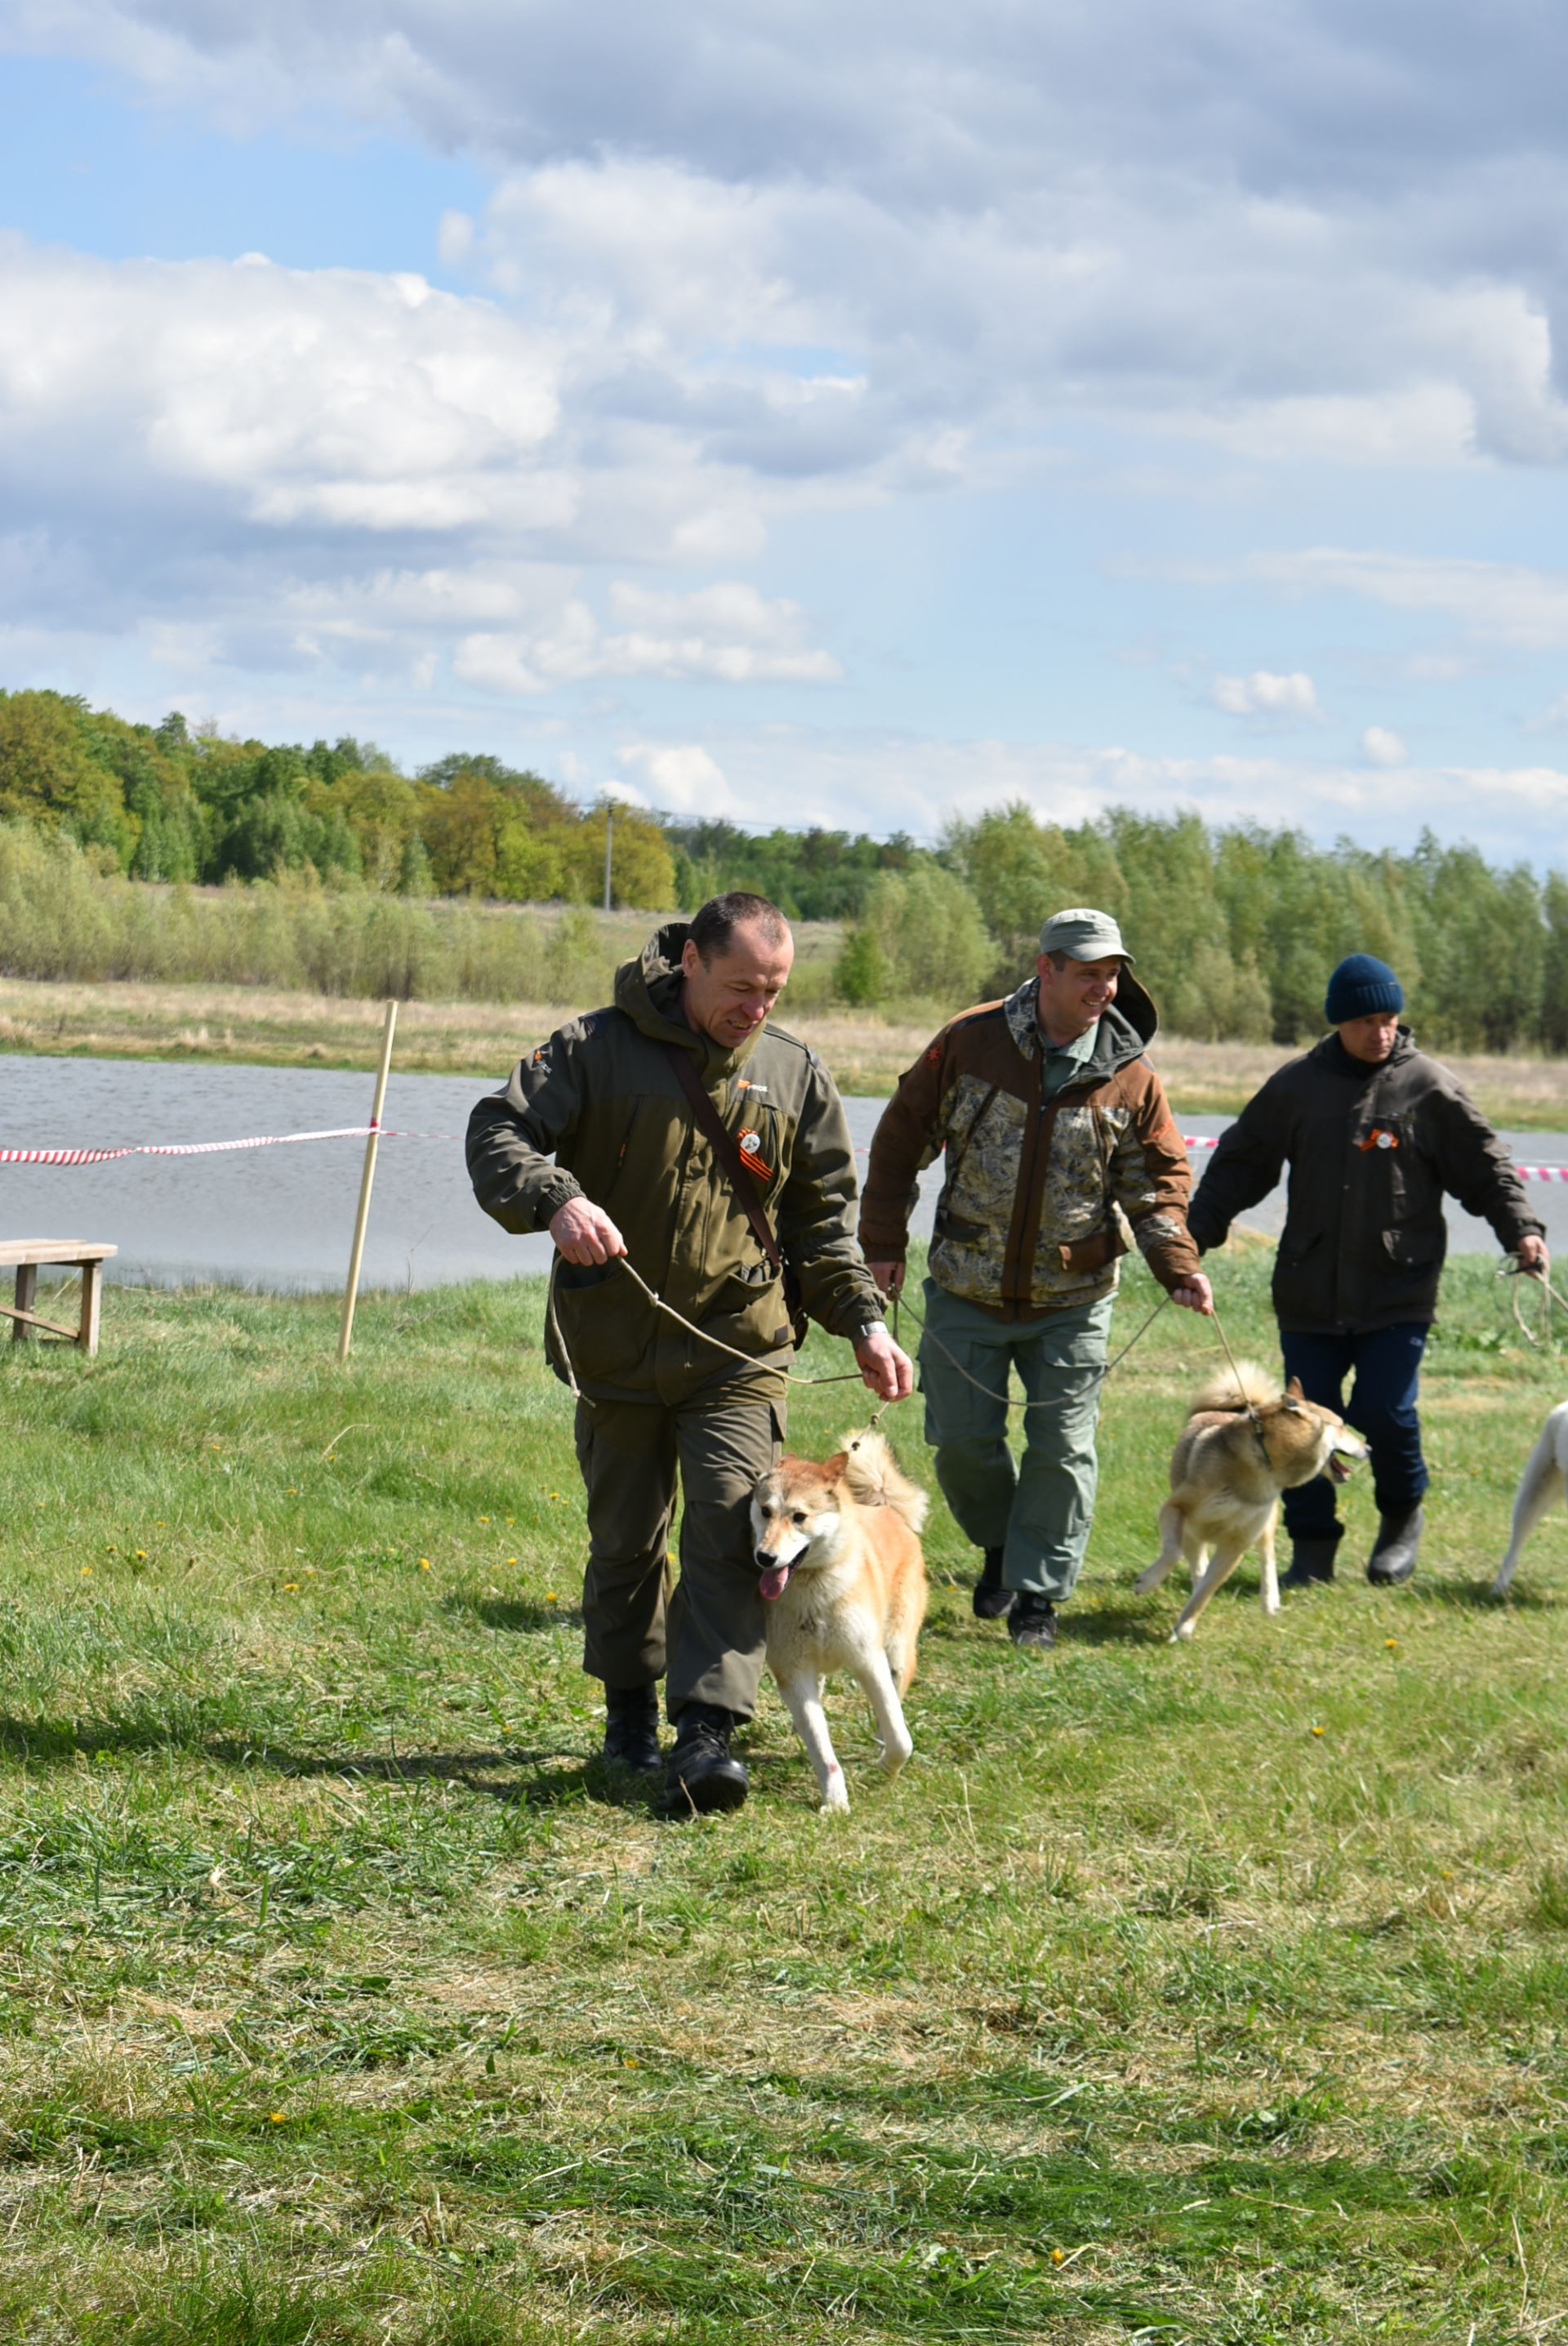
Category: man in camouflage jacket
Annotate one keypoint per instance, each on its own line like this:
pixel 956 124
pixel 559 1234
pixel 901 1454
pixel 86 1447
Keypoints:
pixel 1059 1144
pixel 635 1175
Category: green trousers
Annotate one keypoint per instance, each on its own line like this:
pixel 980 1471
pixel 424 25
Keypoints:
pixel 710 1633
pixel 1037 1510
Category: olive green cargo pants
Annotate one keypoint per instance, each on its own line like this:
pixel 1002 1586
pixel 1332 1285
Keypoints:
pixel 1038 1509
pixel 711 1631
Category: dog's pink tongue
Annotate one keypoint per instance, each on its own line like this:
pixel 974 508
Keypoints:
pixel 771 1581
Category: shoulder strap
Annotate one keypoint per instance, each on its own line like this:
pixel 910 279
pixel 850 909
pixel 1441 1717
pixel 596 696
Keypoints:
pixel 725 1149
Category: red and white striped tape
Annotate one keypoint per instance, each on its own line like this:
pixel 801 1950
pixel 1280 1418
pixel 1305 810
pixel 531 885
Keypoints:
pixel 363 1131
pixel 207 1147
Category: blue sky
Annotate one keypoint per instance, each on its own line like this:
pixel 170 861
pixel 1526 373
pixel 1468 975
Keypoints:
pixel 848 415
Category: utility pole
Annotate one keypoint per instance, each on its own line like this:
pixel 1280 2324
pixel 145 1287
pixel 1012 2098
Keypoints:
pixel 609 836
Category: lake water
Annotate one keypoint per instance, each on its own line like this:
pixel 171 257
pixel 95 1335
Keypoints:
pixel 282 1218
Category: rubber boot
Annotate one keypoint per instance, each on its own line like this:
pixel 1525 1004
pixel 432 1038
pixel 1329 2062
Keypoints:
pixel 1312 1558
pixel 631 1730
pixel 990 1600
pixel 701 1776
pixel 1394 1551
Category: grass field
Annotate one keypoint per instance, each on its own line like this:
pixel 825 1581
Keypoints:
pixel 1212 1993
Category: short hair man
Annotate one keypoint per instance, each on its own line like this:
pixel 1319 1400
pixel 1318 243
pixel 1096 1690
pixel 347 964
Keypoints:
pixel 1057 1137
pixel 636 1175
pixel 1374 1133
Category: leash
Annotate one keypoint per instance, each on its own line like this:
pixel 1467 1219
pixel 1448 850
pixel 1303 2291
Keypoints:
pixel 1510 1269
pixel 790 1376
pixel 1255 1422
pixel 1006 1399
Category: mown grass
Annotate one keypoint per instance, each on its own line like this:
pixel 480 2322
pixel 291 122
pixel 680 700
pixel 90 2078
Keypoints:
pixel 1209 1994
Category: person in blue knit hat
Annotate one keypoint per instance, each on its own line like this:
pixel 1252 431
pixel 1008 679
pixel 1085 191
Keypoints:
pixel 1374 1134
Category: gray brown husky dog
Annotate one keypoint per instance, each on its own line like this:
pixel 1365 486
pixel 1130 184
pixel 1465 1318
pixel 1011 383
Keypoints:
pixel 1243 1443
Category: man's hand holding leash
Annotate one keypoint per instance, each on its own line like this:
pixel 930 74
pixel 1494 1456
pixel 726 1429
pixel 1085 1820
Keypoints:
pixel 1194 1294
pixel 884 1370
pixel 1531 1256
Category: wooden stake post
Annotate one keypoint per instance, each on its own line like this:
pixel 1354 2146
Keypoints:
pixel 350 1292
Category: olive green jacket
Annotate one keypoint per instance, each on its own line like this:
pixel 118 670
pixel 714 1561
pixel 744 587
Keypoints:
pixel 601 1099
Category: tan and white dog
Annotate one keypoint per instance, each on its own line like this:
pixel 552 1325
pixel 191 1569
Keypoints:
pixel 840 1567
pixel 1546 1478
pixel 1238 1450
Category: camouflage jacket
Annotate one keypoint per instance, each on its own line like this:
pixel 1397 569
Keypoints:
pixel 1039 1193
pixel 602 1100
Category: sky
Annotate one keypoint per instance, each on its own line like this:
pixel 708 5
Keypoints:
pixel 858 415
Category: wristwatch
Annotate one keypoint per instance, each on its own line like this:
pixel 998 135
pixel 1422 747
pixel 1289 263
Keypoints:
pixel 870 1328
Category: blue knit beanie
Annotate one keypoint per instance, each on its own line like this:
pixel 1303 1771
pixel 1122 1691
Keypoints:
pixel 1360 986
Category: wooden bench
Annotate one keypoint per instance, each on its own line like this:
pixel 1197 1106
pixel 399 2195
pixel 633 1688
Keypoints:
pixel 79 1254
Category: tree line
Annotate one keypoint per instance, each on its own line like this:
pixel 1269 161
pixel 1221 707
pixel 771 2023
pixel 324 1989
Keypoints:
pixel 1234 928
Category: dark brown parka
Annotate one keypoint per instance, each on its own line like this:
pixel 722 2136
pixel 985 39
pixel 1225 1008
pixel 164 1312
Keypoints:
pixel 1371 1152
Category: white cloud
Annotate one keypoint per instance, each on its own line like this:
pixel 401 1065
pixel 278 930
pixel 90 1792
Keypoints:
pixel 1507 603
pixel 1379 747
pixel 269 457
pixel 682 778
pixel 728 633
pixel 1516 604
pixel 889 781
pixel 1265 695
pixel 980 220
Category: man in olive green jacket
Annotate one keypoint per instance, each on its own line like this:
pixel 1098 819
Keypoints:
pixel 635 1175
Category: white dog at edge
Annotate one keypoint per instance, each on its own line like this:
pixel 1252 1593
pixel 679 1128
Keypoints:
pixel 1546 1478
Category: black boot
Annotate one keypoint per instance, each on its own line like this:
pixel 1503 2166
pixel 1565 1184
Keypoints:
pixel 701 1776
pixel 990 1600
pixel 631 1730
pixel 1312 1558
pixel 1394 1551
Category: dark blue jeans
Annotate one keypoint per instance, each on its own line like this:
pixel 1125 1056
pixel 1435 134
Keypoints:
pixel 1382 1406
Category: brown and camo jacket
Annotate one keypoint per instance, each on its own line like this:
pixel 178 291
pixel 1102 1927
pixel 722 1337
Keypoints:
pixel 1038 1193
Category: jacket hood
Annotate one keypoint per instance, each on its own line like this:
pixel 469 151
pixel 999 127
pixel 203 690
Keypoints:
pixel 647 991
pixel 1125 1030
pixel 1133 1009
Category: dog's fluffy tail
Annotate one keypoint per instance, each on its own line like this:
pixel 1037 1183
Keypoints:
pixel 1255 1389
pixel 876 1480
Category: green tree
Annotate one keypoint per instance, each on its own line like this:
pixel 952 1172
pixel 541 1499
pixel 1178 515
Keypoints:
pixel 929 939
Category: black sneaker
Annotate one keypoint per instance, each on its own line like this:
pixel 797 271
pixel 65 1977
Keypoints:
pixel 1396 1547
pixel 1032 1621
pixel 631 1730
pixel 989 1599
pixel 701 1776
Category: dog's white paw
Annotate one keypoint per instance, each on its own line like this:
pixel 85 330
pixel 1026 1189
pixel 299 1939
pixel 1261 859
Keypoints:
pixel 1149 1579
pixel 835 1800
pixel 894 1755
pixel 1182 1632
